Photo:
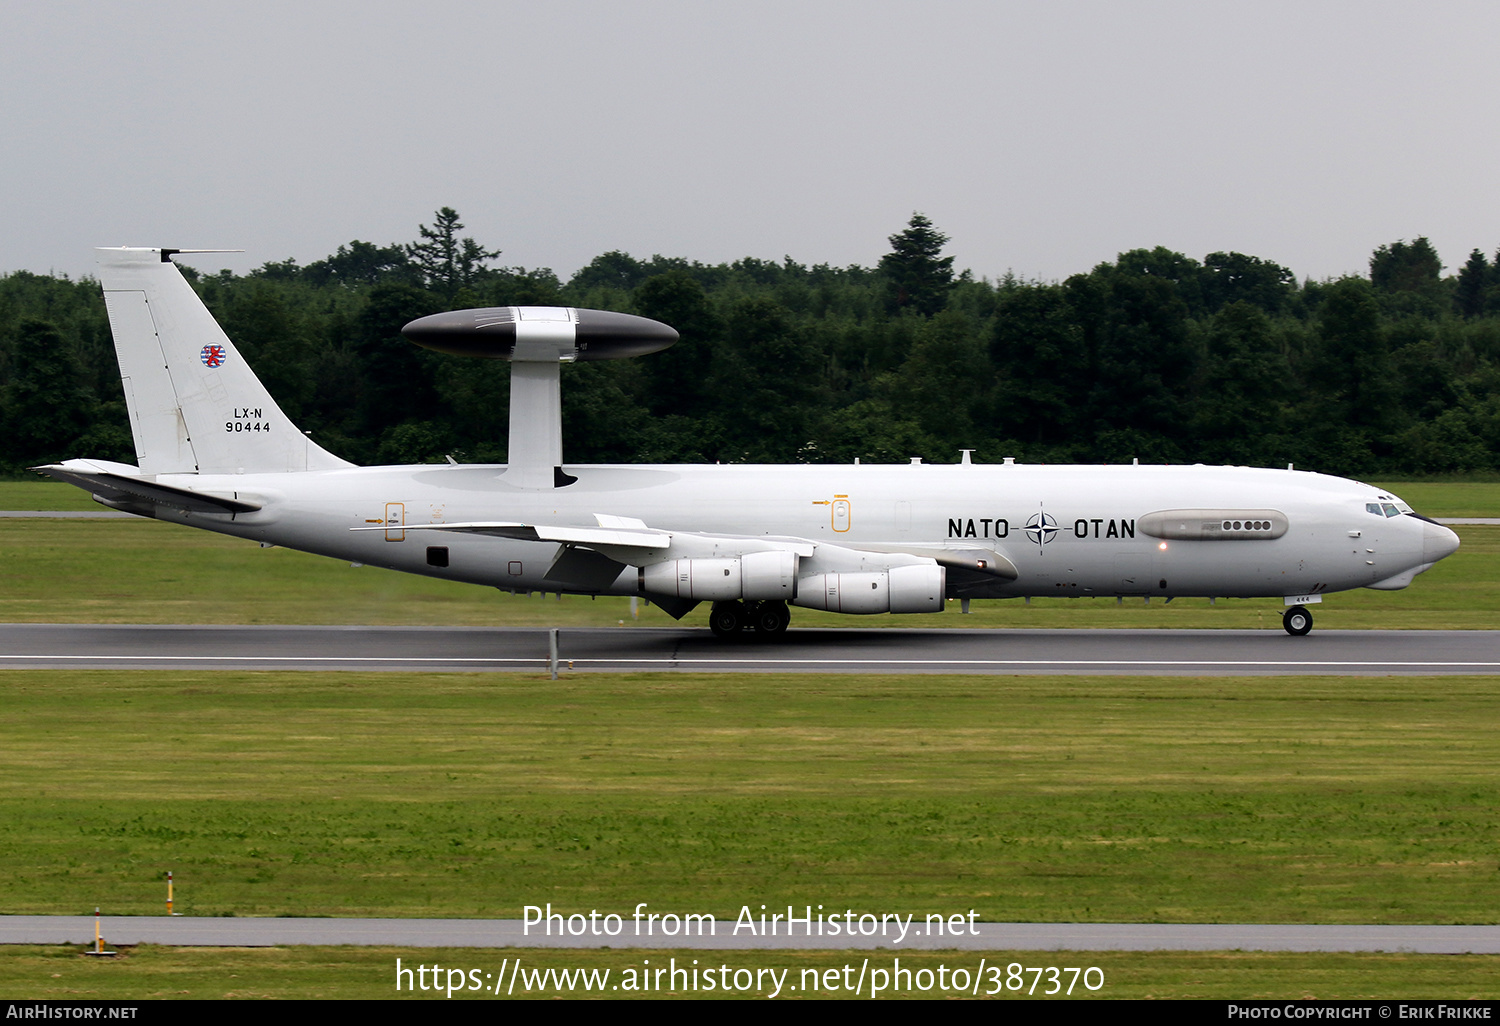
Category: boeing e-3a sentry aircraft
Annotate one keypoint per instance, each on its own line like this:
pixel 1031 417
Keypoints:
pixel 215 451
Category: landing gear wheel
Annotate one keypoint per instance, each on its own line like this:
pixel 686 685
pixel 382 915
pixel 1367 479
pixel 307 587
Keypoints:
pixel 771 618
pixel 1297 621
pixel 726 618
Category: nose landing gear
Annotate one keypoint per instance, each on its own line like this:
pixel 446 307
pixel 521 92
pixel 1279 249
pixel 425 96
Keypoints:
pixel 766 619
pixel 1297 621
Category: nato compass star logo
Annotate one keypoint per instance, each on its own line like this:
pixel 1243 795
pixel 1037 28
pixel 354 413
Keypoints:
pixel 1041 528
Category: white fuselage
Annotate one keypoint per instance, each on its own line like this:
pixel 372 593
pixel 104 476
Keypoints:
pixel 1086 534
pixel 214 450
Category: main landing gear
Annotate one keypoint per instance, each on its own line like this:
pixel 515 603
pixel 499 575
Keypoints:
pixel 766 619
pixel 1297 621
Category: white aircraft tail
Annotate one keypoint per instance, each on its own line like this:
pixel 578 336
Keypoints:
pixel 195 404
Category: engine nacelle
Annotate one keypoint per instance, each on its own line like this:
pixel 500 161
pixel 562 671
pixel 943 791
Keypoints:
pixel 757 576
pixel 901 589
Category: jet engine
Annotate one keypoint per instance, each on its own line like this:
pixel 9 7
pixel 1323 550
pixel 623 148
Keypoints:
pixel 756 576
pixel 917 588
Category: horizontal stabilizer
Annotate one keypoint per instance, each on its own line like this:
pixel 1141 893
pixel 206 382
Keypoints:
pixel 120 489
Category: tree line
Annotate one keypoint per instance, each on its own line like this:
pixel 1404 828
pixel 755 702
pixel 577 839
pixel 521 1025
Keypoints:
pixel 1157 356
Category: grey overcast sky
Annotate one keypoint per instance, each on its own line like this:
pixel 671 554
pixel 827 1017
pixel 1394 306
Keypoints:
pixel 1042 137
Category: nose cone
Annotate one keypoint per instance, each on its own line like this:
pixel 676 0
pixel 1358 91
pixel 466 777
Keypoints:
pixel 1437 542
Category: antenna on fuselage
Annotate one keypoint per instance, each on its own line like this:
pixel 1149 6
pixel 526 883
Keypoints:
pixel 538 340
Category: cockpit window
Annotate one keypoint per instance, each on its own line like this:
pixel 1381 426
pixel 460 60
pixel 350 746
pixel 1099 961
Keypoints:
pixel 1389 506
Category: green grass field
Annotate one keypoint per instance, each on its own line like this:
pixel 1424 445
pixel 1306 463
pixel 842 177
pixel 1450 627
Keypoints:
pixel 1364 800
pixel 1449 498
pixel 41 493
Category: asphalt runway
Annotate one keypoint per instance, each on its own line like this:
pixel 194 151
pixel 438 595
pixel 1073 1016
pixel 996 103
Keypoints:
pixel 511 933
pixel 810 650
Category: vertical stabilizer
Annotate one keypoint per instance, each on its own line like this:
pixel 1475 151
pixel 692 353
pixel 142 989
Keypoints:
pixel 195 405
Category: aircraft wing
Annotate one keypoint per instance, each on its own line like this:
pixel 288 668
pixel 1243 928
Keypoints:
pixel 612 537
pixel 136 495
pixel 981 563
pixel 625 539
pixel 631 541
